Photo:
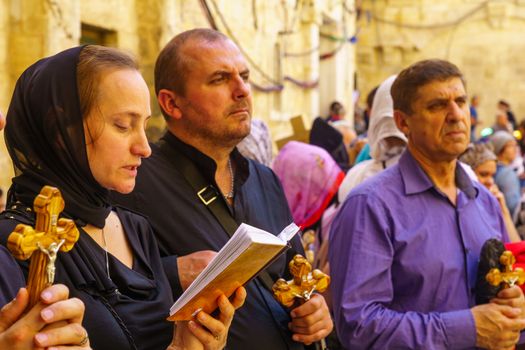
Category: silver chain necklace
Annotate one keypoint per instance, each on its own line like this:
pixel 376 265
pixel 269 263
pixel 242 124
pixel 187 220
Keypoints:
pixel 229 195
pixel 107 259
pixel 106 254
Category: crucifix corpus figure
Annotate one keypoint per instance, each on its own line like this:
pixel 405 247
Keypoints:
pixel 304 282
pixel 43 242
pixel 51 253
pixel 510 276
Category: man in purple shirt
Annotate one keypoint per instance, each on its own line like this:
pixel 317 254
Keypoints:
pixel 405 246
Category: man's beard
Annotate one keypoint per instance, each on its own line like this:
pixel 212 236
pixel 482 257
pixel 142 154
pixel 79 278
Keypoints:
pixel 220 137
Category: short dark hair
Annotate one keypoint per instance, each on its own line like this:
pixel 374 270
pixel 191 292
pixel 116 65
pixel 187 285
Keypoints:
pixel 504 103
pixel 405 88
pixel 370 97
pixel 171 65
pixel 336 107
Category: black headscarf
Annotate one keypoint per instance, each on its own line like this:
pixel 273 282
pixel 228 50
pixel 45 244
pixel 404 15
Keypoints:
pixel 45 138
pixel 326 136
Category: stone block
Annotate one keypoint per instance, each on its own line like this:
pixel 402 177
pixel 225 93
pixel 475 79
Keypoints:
pixel 498 14
pixel 401 3
pixel 144 26
pixel 409 15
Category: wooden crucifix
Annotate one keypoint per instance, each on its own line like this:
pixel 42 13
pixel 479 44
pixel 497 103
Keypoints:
pixel 304 282
pixel 300 133
pixel 43 242
pixel 300 288
pixel 509 277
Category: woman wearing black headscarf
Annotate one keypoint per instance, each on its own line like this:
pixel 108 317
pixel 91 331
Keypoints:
pixel 54 321
pixel 77 122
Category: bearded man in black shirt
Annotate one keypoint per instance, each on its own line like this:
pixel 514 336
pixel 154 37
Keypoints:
pixel 202 86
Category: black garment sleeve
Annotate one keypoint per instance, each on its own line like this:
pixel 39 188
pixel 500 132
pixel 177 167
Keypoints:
pixel 11 278
pixel 169 263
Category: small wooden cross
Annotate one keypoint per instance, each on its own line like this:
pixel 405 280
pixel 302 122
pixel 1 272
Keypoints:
pixel 509 277
pixel 300 133
pixel 43 242
pixel 304 282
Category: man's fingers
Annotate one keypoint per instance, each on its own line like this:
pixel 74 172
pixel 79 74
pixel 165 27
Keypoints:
pixel 311 338
pixel 309 307
pixel 71 310
pixel 518 325
pixel 72 333
pixel 12 311
pixel 512 302
pixel 305 328
pixel 509 311
pixel 226 310
pixel 54 293
pixel 308 320
pixel 206 337
pixel 311 321
pixel 511 293
pixel 508 340
pixel 213 325
pixel 512 322
pixel 239 298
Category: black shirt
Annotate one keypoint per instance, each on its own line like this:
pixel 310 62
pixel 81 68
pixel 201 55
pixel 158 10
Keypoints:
pixel 183 225
pixel 134 303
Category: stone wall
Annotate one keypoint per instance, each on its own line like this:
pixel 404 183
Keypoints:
pixel 30 30
pixel 283 40
pixel 484 38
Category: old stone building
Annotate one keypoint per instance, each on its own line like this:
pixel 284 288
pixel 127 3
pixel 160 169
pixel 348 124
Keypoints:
pixel 302 53
pixel 483 37
pixel 299 51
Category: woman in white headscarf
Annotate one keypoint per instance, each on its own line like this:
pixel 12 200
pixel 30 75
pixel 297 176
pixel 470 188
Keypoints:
pixel 386 141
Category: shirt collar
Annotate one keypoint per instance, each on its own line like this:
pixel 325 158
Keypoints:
pixel 416 180
pixel 206 164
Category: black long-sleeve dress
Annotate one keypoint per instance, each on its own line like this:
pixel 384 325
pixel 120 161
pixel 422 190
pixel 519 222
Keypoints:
pixel 128 310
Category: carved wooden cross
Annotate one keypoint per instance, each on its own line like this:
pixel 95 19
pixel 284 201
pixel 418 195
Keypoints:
pixel 300 133
pixel 509 277
pixel 42 243
pixel 304 282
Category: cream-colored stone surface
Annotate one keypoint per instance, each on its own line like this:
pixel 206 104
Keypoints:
pixel 484 38
pixel 30 30
pixel 282 39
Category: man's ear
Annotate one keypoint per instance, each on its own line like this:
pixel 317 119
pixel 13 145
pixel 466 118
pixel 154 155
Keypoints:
pixel 401 122
pixel 168 102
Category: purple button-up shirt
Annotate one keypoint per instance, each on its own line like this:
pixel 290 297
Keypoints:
pixel 404 259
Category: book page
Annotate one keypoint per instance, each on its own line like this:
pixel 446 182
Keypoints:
pixel 246 253
pixel 289 232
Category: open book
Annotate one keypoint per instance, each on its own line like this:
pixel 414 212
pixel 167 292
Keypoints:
pixel 247 252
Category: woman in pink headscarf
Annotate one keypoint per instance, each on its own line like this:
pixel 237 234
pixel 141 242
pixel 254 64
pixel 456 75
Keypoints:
pixel 310 178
